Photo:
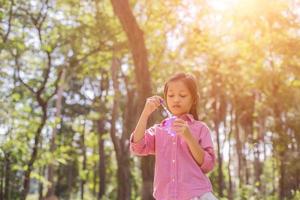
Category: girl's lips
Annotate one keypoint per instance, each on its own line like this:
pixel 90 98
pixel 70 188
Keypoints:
pixel 176 106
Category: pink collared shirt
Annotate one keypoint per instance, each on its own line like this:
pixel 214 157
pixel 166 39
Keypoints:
pixel 177 175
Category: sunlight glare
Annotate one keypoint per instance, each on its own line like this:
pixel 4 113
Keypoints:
pixel 222 5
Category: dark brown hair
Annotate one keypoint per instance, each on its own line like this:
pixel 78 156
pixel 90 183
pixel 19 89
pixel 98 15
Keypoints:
pixel 190 81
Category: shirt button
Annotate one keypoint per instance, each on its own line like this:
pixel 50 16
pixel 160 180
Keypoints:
pixel 173 179
pixel 173 161
pixel 174 143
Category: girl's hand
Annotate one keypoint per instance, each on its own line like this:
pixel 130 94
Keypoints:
pixel 152 103
pixel 181 128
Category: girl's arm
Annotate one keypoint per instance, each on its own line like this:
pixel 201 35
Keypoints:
pixel 152 103
pixel 202 153
pixel 140 128
pixel 195 148
pixel 204 156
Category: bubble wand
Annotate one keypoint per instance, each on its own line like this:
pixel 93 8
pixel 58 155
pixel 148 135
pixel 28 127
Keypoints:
pixel 165 108
pixel 170 119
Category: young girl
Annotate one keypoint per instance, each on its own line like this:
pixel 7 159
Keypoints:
pixel 183 159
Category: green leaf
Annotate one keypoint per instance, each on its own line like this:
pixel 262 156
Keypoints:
pixel 61 160
pixel 16 97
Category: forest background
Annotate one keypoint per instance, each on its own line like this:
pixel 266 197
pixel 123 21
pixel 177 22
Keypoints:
pixel 74 76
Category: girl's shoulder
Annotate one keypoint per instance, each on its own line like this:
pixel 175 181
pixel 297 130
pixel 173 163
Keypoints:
pixel 201 126
pixel 200 123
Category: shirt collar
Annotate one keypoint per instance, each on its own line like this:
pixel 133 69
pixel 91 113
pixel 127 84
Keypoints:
pixel 188 117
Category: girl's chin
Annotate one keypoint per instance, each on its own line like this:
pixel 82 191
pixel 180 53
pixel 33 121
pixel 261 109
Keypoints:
pixel 178 114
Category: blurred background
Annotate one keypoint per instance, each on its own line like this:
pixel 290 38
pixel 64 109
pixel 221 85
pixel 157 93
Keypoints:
pixel 74 76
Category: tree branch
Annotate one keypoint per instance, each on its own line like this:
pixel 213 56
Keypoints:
pixel 61 74
pixel 9 21
pixel 19 77
pixel 46 73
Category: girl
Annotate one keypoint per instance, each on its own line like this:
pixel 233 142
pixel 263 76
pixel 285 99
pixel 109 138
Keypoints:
pixel 183 159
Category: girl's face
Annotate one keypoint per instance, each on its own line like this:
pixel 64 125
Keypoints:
pixel 179 98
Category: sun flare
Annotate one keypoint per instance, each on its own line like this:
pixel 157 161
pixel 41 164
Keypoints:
pixel 222 5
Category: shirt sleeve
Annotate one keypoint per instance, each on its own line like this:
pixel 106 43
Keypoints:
pixel 209 154
pixel 146 145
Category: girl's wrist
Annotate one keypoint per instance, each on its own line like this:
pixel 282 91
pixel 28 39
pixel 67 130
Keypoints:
pixel 145 114
pixel 188 136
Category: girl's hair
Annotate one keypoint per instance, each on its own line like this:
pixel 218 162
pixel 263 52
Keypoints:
pixel 190 81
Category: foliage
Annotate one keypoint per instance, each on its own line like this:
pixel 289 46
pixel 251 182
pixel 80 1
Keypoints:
pixel 245 55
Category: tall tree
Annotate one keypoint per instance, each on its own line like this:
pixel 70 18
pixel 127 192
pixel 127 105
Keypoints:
pixel 139 53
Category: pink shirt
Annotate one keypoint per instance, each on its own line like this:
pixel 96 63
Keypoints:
pixel 177 175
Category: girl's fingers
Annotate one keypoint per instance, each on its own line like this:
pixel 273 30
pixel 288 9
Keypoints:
pixel 156 100
pixel 179 120
pixel 179 126
pixel 177 129
pixel 179 123
pixel 159 100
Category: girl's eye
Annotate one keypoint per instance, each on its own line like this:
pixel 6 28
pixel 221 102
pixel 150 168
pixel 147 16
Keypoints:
pixel 170 95
pixel 182 96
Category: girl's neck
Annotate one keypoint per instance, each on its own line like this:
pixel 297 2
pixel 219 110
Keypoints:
pixel 182 114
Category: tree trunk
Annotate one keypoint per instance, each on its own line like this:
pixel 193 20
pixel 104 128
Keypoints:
pixel 70 180
pixel 27 173
pixel 138 49
pixel 238 148
pixel 122 154
pixel 59 96
pixel 96 166
pixel 220 162
pixel 279 141
pixel 2 172
pixel 102 165
pixel 41 185
pixel 104 86
pixel 124 180
pixel 43 104
pixel 217 118
pixel 7 176
pixel 137 46
pixel 257 167
pixel 83 148
pixel 282 171
pixel 230 191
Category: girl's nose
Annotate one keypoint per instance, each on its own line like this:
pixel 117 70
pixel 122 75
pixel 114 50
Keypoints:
pixel 176 99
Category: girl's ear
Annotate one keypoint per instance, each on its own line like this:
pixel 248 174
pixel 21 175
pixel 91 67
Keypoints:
pixel 194 101
pixel 197 98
